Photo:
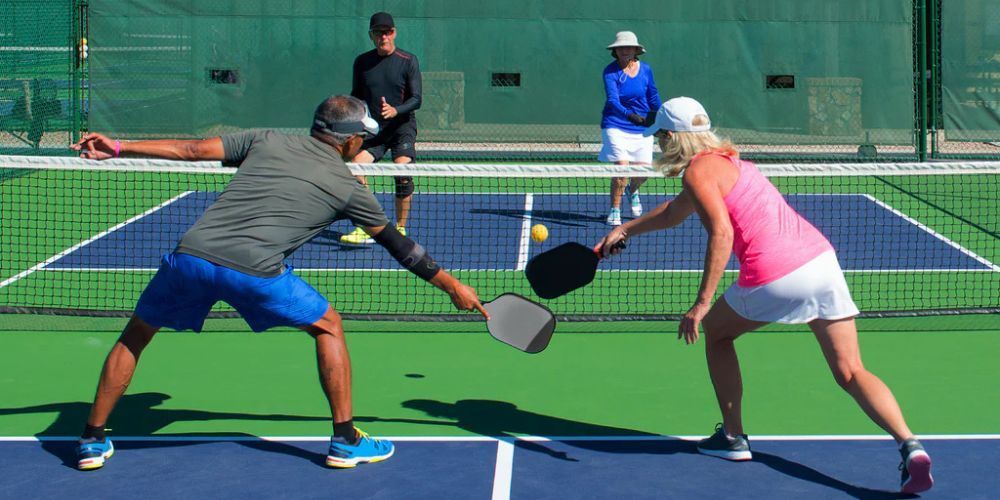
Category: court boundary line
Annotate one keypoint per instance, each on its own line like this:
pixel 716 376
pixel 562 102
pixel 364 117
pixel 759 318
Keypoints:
pixel 510 439
pixel 943 238
pixel 635 271
pixel 503 473
pixel 46 262
pixel 523 242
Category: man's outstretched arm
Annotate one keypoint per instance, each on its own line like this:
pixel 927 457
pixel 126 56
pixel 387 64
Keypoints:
pixel 95 146
pixel 415 259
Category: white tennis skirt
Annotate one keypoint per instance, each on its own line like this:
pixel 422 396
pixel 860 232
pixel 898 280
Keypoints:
pixel 816 290
pixel 618 145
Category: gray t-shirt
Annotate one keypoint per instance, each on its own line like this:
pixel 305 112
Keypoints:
pixel 287 189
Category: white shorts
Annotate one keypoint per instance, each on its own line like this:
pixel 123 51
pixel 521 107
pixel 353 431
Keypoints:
pixel 618 145
pixel 816 289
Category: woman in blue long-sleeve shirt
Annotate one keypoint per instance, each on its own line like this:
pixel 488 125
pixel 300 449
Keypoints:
pixel 631 96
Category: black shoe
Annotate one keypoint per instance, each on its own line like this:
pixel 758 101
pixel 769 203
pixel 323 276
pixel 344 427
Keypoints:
pixel 720 445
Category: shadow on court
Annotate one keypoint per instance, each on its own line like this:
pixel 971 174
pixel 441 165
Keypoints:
pixel 140 415
pixel 505 420
pixel 552 217
pixel 806 473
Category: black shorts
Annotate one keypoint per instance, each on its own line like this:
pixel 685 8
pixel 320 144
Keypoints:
pixel 400 140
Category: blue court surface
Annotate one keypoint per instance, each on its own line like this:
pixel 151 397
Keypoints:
pixel 644 467
pixel 489 232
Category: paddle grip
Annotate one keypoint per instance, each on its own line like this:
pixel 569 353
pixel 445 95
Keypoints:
pixel 620 246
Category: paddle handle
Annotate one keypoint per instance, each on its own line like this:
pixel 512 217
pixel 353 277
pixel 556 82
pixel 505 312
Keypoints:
pixel 620 246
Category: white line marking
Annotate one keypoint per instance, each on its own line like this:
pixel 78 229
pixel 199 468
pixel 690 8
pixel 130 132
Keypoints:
pixel 934 233
pixel 73 248
pixel 635 271
pixel 504 470
pixel 509 440
pixel 524 241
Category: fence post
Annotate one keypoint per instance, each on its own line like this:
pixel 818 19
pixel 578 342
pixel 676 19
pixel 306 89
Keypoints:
pixel 934 61
pixel 920 23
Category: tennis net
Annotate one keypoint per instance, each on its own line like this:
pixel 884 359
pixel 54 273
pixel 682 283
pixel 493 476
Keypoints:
pixel 82 237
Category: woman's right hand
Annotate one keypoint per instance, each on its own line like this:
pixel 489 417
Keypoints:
pixel 607 246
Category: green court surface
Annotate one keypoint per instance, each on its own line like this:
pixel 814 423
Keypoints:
pixel 452 379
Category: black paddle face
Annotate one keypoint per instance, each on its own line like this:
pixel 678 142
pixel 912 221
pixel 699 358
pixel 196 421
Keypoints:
pixel 520 323
pixel 561 270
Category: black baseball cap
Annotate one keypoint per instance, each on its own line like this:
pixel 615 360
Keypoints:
pixel 381 19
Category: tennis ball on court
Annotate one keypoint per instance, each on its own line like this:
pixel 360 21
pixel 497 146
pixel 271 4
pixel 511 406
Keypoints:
pixel 539 233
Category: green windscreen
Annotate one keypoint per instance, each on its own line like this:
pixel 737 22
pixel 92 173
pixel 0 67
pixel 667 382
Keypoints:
pixel 804 78
pixel 36 75
pixel 971 70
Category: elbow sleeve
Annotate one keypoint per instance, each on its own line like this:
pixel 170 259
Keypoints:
pixel 408 253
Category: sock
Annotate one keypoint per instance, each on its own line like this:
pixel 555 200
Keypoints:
pixel 93 432
pixel 346 431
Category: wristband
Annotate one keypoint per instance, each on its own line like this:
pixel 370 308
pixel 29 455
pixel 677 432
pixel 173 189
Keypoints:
pixel 118 148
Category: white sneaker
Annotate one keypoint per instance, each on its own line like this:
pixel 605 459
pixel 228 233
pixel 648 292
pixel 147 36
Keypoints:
pixel 633 199
pixel 615 217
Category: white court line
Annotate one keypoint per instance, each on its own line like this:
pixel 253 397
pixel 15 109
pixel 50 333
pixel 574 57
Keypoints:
pixel 508 440
pixel 524 241
pixel 934 233
pixel 635 271
pixel 504 470
pixel 62 254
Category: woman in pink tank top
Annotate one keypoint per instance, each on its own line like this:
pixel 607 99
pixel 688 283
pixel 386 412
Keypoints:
pixel 788 273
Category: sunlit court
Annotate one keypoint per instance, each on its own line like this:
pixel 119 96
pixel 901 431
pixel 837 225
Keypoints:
pixel 688 224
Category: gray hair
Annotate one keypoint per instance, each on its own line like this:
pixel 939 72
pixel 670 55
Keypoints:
pixel 339 109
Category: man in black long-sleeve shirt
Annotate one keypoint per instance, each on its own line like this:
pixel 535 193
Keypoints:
pixel 388 80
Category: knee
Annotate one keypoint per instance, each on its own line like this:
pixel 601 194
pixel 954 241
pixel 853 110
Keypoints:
pixel 404 187
pixel 137 335
pixel 846 373
pixel 619 182
pixel 330 324
pixel 714 331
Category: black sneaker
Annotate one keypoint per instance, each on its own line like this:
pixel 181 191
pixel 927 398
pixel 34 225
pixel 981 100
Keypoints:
pixel 723 446
pixel 916 467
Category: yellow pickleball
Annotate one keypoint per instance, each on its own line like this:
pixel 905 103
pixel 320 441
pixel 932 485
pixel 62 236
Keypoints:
pixel 539 233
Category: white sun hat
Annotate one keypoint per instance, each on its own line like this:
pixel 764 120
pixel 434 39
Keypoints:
pixel 627 39
pixel 677 115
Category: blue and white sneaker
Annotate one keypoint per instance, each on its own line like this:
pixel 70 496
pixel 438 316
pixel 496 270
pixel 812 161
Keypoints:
pixel 615 217
pixel 722 445
pixel 367 450
pixel 916 467
pixel 633 200
pixel 91 453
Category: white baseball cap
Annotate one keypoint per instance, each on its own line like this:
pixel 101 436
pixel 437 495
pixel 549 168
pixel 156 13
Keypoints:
pixel 677 115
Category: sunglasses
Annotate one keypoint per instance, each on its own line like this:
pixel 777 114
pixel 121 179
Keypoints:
pixel 382 32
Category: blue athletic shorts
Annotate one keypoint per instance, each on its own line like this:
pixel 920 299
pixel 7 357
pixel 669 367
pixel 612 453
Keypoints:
pixel 186 287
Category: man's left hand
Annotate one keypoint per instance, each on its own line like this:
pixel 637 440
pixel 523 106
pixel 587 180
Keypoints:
pixel 387 110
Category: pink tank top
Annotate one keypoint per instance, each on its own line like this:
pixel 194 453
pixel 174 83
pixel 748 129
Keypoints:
pixel 770 239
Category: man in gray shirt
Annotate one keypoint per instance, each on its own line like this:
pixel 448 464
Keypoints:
pixel 287 190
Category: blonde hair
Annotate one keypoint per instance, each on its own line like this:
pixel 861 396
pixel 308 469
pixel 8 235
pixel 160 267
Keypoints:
pixel 681 147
